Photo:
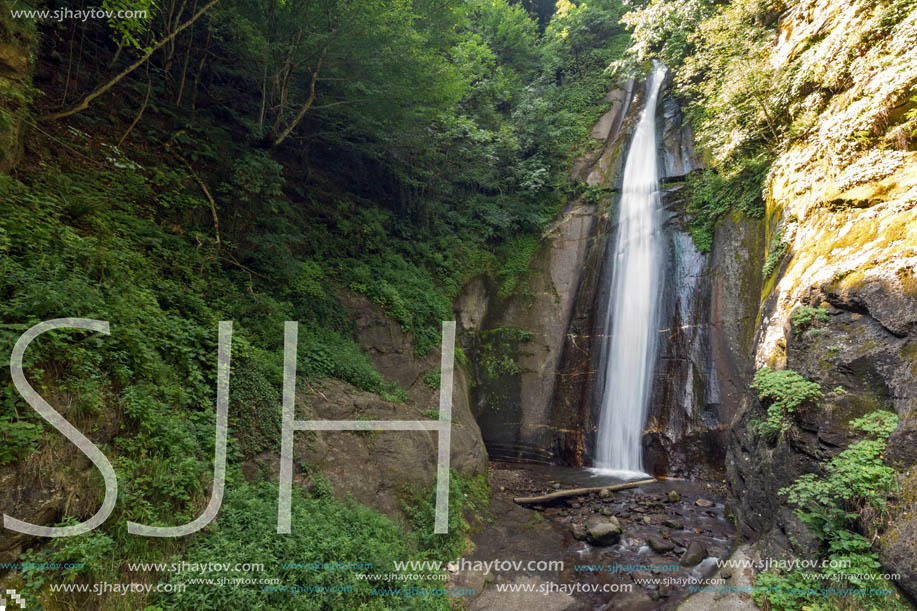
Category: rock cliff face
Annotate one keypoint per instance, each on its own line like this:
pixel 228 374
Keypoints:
pixel 533 404
pixel 516 343
pixel 842 204
pixel 379 469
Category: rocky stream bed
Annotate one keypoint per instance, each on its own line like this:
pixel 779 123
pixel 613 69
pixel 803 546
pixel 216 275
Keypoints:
pixel 663 536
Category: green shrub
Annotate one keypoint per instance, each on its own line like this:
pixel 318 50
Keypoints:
pixel 785 391
pixel 499 350
pixel 775 253
pixel 432 378
pixel 467 495
pixel 323 529
pixel 803 316
pixel 17 438
pixel 516 257
pixel 852 493
pixel 433 414
pixel 711 194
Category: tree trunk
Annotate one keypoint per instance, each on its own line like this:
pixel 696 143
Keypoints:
pixel 305 107
pixel 200 68
pixel 565 494
pixel 146 101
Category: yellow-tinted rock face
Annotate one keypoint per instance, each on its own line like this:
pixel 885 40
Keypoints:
pixel 842 204
pixel 843 193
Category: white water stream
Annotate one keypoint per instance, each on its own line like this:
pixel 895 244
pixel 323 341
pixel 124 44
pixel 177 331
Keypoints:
pixel 631 320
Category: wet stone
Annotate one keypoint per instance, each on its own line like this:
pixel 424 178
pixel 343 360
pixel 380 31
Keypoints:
pixel 674 524
pixel 579 531
pixel 603 530
pixel 660 546
pixel 695 553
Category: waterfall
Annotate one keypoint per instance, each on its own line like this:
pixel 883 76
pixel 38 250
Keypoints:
pixel 630 323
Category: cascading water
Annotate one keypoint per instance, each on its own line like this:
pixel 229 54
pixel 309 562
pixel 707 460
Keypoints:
pixel 630 322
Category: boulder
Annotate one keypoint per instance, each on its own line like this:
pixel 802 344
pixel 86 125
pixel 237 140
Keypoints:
pixel 603 530
pixel 659 545
pixel 694 554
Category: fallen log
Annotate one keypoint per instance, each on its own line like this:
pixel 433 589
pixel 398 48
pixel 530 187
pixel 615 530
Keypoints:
pixel 547 499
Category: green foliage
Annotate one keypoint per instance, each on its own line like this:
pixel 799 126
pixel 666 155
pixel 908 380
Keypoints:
pixel 711 194
pixel 595 195
pixel 17 437
pixel 94 549
pixel 852 493
pixel 324 529
pixel 881 424
pixel 256 180
pixel 432 378
pixel 467 495
pixel 912 113
pixel 784 391
pixel 433 414
pixel 130 31
pixel 67 250
pixel 406 291
pixel 580 43
pixel 735 99
pixel 499 350
pixel 804 316
pixel 775 251
pixel 460 357
pixel 517 257
pixel 892 13
pixel 664 29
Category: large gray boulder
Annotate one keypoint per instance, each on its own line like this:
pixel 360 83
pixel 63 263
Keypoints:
pixel 603 530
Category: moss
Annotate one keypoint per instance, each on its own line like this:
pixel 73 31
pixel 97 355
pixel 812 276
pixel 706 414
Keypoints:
pixel 909 353
pixel 903 506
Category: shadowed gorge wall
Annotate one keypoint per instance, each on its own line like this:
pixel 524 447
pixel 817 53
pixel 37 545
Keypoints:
pixel 842 208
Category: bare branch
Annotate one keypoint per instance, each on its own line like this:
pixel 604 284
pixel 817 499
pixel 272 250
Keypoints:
pixel 84 103
pixel 308 104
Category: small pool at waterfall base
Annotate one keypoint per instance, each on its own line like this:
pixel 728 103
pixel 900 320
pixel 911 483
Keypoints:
pixel 616 475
